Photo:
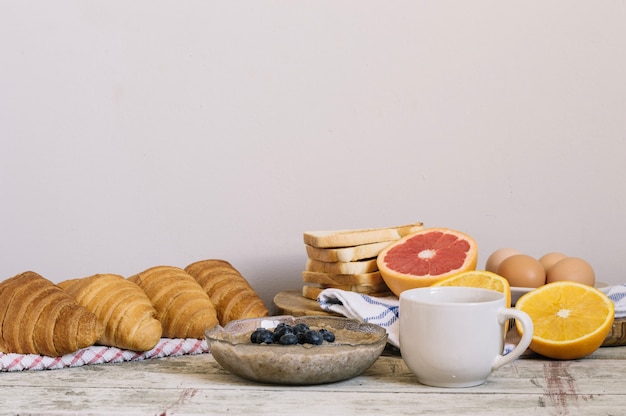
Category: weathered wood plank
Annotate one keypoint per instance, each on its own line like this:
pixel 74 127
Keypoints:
pixel 183 400
pixel 387 373
pixel 198 371
pixel 198 385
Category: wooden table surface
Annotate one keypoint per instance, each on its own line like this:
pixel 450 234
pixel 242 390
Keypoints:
pixel 196 384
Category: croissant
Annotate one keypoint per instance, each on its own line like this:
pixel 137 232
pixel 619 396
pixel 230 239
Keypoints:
pixel 38 317
pixel 124 309
pixel 183 308
pixel 229 291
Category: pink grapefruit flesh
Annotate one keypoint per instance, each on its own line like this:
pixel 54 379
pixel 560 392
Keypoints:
pixel 426 257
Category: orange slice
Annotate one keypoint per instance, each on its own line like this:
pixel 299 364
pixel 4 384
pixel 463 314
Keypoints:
pixel 482 279
pixel 571 319
pixel 426 257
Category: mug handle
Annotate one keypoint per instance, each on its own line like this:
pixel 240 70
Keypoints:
pixel 527 325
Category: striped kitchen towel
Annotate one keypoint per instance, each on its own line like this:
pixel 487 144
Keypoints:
pixel 617 294
pixel 166 347
pixel 382 311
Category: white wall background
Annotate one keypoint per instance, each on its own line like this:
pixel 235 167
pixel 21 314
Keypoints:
pixel 141 133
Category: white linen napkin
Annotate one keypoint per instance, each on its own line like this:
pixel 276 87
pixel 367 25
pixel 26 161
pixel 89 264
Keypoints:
pixel 384 311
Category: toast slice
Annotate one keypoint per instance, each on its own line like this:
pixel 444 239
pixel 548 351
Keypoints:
pixel 313 291
pixel 346 254
pixel 365 279
pixel 357 237
pixel 352 267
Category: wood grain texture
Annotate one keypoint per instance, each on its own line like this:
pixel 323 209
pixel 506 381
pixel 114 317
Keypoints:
pixel 291 302
pixel 617 336
pixel 198 385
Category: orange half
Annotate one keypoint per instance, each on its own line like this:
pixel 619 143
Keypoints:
pixel 571 320
pixel 482 279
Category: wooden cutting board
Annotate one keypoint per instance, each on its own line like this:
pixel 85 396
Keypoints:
pixel 291 302
pixel 617 336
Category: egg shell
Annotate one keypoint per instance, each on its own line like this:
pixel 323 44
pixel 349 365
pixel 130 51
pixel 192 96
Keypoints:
pixel 522 270
pixel 573 269
pixel 550 259
pixel 497 257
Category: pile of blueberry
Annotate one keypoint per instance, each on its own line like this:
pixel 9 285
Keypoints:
pixel 285 334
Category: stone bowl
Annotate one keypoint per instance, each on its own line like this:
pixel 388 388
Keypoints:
pixel 356 347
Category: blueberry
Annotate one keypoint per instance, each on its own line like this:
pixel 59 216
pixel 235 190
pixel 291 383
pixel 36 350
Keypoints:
pixel 280 325
pixel 288 339
pixel 327 335
pixel 254 337
pixel 279 332
pixel 300 328
pixel 264 336
pixel 313 337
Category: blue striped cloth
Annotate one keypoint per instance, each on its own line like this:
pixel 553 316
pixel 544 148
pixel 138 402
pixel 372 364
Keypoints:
pixel 383 311
pixel 617 294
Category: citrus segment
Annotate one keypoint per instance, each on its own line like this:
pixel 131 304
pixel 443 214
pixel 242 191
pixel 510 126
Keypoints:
pixel 425 257
pixel 571 320
pixel 479 278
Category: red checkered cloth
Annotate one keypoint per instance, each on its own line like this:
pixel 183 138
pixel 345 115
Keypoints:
pixel 166 347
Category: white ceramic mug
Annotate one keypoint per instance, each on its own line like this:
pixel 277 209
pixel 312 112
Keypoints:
pixel 452 336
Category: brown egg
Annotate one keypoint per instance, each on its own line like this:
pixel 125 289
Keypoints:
pixel 572 269
pixel 497 257
pixel 522 270
pixel 548 260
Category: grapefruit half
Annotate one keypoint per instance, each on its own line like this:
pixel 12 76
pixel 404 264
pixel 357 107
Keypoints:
pixel 426 257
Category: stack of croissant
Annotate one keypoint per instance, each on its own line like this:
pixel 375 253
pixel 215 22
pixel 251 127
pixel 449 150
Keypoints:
pixel 134 313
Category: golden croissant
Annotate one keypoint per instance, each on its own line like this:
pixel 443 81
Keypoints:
pixel 229 291
pixel 38 317
pixel 124 309
pixel 183 308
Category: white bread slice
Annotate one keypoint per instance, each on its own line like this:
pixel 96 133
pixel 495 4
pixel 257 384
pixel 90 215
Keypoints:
pixel 345 254
pixel 312 291
pixel 351 238
pixel 351 267
pixel 365 289
pixel 366 279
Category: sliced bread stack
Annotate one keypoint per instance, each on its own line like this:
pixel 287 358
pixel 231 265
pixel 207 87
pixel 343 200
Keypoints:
pixel 346 259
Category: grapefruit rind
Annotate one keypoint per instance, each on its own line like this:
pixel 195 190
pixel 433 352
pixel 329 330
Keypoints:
pixel 591 317
pixel 402 277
